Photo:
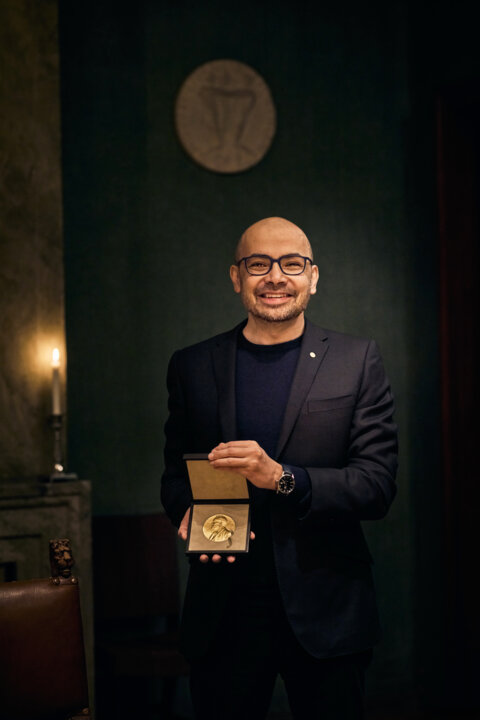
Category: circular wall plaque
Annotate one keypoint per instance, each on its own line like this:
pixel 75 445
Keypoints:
pixel 225 116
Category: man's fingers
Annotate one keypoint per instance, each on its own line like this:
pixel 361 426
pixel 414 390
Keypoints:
pixel 252 535
pixel 216 558
pixel 241 448
pixel 183 528
pixel 230 452
pixel 228 462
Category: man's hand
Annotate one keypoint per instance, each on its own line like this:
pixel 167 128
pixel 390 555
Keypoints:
pixel 183 532
pixel 249 459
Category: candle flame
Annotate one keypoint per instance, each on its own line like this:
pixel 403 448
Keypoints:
pixel 56 358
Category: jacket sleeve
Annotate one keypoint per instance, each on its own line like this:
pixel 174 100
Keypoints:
pixel 364 487
pixel 175 492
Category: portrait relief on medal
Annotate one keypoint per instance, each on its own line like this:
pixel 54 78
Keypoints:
pixel 218 528
pixel 225 117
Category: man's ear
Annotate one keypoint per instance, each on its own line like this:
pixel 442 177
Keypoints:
pixel 235 277
pixel 314 279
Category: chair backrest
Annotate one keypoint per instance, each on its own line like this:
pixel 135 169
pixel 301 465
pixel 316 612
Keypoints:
pixel 135 567
pixel 42 657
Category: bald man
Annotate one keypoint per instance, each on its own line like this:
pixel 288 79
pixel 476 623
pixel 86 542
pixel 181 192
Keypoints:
pixel 306 415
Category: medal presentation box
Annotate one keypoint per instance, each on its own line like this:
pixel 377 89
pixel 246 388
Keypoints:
pixel 220 509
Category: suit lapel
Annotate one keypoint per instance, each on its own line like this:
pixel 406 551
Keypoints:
pixel 224 361
pixel 312 351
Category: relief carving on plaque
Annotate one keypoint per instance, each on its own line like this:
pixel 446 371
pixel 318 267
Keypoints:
pixel 225 116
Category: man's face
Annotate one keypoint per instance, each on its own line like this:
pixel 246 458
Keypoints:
pixel 275 297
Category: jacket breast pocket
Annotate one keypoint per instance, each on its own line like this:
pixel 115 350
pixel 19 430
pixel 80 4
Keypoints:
pixel 326 404
pixel 321 435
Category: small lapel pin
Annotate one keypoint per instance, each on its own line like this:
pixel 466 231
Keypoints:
pixel 312 354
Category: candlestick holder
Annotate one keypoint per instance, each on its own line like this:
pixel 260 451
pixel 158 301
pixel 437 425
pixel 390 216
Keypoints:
pixel 58 474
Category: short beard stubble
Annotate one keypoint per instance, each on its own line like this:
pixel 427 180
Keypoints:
pixel 277 314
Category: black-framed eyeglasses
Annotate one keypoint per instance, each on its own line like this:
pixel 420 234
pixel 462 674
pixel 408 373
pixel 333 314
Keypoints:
pixel 292 264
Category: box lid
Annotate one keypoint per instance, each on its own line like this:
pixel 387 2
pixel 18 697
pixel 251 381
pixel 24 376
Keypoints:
pixel 208 483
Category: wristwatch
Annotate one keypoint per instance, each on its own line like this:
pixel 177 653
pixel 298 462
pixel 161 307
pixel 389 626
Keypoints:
pixel 285 483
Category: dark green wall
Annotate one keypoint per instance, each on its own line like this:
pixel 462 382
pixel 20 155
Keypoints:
pixel 149 237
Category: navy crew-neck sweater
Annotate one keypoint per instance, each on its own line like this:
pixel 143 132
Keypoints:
pixel 264 375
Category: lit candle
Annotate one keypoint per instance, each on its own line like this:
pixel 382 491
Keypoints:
pixel 56 408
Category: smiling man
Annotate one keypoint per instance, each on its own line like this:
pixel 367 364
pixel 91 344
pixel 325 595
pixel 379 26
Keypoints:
pixel 275 292
pixel 306 416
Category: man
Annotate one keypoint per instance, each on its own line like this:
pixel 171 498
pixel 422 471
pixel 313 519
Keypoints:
pixel 306 416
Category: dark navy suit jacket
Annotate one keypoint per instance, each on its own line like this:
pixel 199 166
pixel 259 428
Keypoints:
pixel 338 425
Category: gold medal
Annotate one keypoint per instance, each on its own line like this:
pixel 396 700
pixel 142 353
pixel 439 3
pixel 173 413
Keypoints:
pixel 218 528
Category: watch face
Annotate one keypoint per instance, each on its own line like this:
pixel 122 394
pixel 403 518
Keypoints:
pixel 286 484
